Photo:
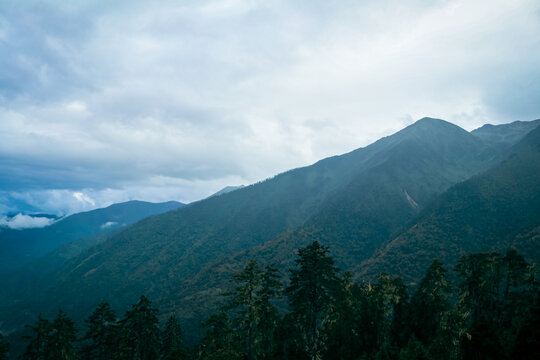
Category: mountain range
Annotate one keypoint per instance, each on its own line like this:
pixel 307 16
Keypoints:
pixel 18 247
pixel 430 190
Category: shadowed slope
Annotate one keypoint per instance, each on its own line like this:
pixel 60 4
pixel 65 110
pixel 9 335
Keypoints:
pixel 493 211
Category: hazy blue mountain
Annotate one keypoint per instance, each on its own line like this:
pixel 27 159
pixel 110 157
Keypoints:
pixel 505 134
pixel 18 247
pixel 355 202
pixel 227 189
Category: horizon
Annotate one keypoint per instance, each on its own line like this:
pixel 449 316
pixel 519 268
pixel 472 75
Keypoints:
pixel 20 220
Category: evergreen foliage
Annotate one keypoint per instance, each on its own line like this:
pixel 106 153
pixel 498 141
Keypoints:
pixel 140 331
pixel 268 317
pixel 313 282
pixel 430 305
pixel 220 340
pixel 62 337
pixel 4 348
pixel 103 333
pixel 37 348
pixel 171 340
pixel 52 340
pixel 494 314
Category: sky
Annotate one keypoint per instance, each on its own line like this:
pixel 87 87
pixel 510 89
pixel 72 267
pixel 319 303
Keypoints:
pixel 107 101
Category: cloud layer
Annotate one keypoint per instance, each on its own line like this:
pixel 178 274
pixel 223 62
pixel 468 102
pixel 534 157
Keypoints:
pixel 175 100
pixel 22 221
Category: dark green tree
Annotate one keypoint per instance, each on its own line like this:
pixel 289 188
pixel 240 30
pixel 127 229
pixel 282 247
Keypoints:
pixel 430 302
pixel 102 334
pixel 480 301
pixel 243 300
pixel 171 340
pixel 62 338
pixel 310 296
pixel 389 297
pixel 527 345
pixel 413 351
pixel 220 341
pixel 519 291
pixel 267 314
pixel 342 326
pixel 4 348
pixel 479 291
pixel 37 348
pixel 140 331
pixel 496 295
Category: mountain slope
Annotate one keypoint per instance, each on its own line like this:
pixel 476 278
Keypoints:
pixel 505 134
pixel 492 211
pixel 18 247
pixel 358 199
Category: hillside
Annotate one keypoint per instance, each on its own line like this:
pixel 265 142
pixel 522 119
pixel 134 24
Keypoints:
pixel 355 202
pixel 494 211
pixel 505 134
pixel 365 215
pixel 18 247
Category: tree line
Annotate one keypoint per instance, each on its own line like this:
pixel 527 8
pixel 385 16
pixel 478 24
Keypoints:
pixel 493 312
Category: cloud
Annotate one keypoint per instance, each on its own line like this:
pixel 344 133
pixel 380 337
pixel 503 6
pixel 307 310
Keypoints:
pixel 83 198
pixel 108 224
pixel 151 99
pixel 21 221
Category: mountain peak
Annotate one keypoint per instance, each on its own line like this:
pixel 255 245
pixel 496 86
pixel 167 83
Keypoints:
pixel 431 128
pixel 434 123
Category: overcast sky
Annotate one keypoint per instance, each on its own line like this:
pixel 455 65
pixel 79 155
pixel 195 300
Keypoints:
pixel 105 101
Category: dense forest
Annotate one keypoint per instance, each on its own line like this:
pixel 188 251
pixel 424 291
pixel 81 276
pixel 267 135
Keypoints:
pixel 487 308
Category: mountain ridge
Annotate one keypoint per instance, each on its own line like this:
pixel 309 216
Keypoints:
pixel 18 247
pixel 159 255
pixel 356 203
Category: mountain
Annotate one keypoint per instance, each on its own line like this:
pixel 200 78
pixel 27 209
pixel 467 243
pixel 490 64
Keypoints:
pixel 505 134
pixel 18 247
pixel 494 211
pixel 227 189
pixel 355 202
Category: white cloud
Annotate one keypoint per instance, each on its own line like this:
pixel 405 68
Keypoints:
pixel 21 221
pixel 83 198
pixel 108 224
pixel 152 99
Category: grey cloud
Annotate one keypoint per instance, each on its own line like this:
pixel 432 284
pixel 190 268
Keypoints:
pixel 151 98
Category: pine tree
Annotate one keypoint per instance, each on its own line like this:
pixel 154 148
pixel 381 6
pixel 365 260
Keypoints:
pixel 481 301
pixel 4 348
pixel 37 348
pixel 389 297
pixel 171 341
pixel 52 340
pixel 268 317
pixel 518 290
pixel 140 331
pixel 342 326
pixel 527 345
pixel 309 294
pixel 414 351
pixel 102 333
pixel 430 304
pixel 220 341
pixel 62 337
pixel 243 299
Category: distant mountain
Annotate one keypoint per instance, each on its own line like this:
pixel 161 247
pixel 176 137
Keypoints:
pixel 18 247
pixel 505 134
pixel 355 202
pixel 494 211
pixel 227 189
